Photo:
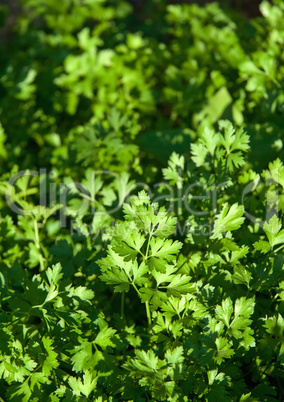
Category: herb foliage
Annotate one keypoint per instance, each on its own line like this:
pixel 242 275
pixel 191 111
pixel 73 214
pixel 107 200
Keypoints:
pixel 141 196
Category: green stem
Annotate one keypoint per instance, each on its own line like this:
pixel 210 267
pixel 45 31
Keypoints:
pixel 279 248
pixel 148 312
pixel 179 189
pixel 147 249
pixel 37 243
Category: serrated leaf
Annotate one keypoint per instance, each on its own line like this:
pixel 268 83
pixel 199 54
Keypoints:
pixel 179 285
pixel 104 337
pixel 51 360
pixel 146 361
pixel 198 153
pixel 54 274
pixel 273 233
pixel 174 356
pixel 89 383
pixel 225 311
pixel 262 246
pixel 118 279
pixel 81 292
pixel 244 307
pixel 164 249
pixel 175 166
pixel 230 218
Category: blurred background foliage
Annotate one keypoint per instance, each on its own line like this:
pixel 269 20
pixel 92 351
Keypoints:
pixel 139 74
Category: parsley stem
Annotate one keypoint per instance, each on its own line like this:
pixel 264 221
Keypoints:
pixel 147 249
pixel 279 248
pixel 37 243
pixel 148 312
pixel 135 287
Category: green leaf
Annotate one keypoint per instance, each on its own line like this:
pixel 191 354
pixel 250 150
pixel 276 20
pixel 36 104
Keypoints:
pixel 145 361
pixel 262 246
pixel 230 218
pixel 51 360
pixel 275 326
pixel 89 383
pixel 180 285
pixel 118 279
pixel 149 218
pixel 174 356
pixel 104 337
pixel 164 249
pixel 199 152
pixel 54 274
pixel 272 229
pixel 175 167
pixel 117 271
pixel 225 311
pixel 216 105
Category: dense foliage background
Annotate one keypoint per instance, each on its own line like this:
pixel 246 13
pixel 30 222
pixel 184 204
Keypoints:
pixel 141 196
